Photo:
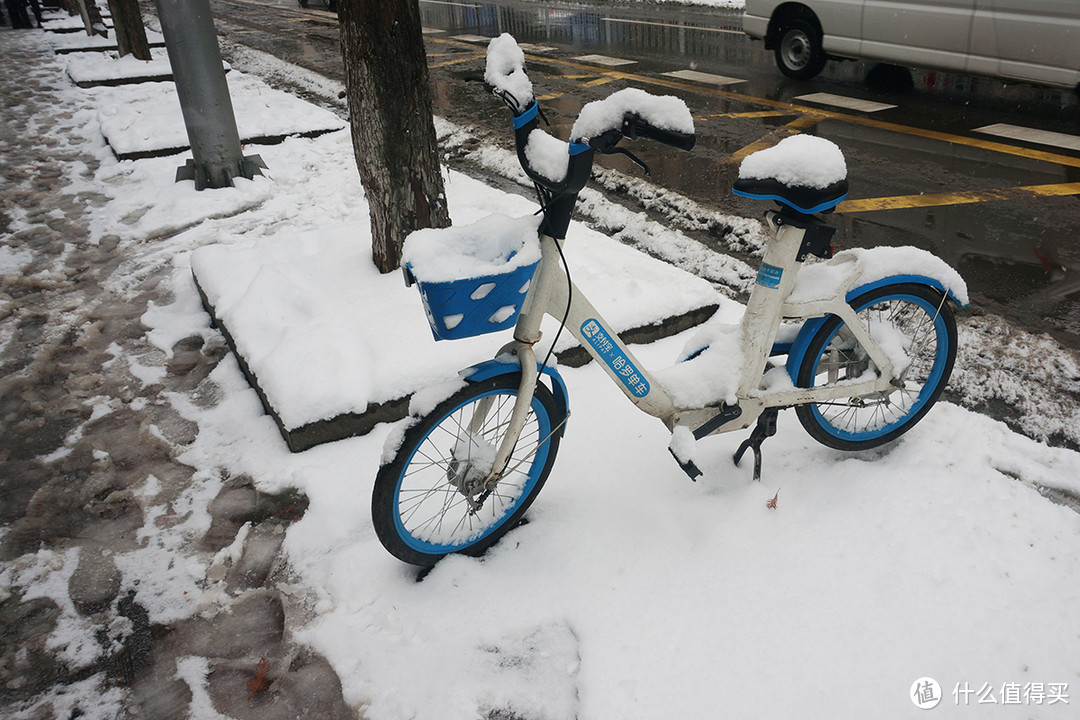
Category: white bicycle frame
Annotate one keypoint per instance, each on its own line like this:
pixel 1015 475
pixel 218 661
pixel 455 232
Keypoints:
pixel 551 292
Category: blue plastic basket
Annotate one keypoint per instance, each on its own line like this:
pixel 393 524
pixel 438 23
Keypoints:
pixel 477 305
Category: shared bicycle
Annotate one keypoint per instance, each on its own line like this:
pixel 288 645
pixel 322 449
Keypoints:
pixel 860 343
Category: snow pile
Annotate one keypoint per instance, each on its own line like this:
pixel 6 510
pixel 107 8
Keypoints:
pixel 505 69
pixel 665 112
pixel 490 246
pixel 797 161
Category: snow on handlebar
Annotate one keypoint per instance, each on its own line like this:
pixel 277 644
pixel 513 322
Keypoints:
pixel 633 112
pixel 636 113
pixel 560 169
pixel 505 73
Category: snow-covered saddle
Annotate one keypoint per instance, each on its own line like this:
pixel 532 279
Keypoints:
pixel 804 172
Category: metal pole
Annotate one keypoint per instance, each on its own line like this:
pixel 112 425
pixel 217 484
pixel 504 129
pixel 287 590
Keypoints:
pixel 193 50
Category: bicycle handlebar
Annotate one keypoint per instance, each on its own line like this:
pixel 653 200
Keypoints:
pixel 629 113
pixel 634 126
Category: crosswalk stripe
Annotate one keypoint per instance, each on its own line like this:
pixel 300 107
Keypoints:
pixel 848 103
pixel 1032 135
pixel 604 60
pixel 708 78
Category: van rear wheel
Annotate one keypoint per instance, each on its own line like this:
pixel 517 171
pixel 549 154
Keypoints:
pixel 799 52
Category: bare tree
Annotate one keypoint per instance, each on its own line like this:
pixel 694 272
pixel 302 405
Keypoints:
pixel 128 28
pixel 386 81
pixel 91 17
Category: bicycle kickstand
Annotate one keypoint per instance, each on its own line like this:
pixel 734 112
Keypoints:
pixel 765 428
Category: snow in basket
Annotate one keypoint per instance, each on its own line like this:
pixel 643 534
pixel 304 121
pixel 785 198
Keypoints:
pixel 473 278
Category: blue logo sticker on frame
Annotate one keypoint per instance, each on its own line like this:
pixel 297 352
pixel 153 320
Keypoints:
pixel 601 341
pixel 769 276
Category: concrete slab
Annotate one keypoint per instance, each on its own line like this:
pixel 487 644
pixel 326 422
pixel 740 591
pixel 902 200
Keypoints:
pixel 333 348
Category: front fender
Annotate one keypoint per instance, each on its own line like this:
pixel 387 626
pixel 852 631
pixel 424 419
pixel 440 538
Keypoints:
pixel 491 368
pixel 811 326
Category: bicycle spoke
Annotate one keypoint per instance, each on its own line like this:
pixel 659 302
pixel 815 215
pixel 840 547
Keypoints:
pixel 902 323
pixel 431 505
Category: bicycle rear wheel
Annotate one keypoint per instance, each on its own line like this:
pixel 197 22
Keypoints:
pixel 427 502
pixel 916 318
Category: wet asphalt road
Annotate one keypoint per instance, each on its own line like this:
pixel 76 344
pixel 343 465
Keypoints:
pixel 1004 212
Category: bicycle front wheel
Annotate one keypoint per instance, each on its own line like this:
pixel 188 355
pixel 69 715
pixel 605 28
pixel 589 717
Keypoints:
pixel 429 501
pixel 909 317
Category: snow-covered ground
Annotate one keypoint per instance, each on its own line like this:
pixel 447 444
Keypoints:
pixel 631 592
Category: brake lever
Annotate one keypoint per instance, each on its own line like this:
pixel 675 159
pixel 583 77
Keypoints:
pixel 504 95
pixel 627 153
pixel 480 79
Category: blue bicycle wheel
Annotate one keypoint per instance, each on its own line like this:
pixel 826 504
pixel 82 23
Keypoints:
pixel 429 501
pixel 910 319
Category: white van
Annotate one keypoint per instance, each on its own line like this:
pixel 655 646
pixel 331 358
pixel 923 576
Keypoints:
pixel 1036 41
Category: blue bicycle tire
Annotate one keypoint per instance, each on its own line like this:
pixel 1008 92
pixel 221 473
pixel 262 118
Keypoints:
pixel 418 512
pixel 925 317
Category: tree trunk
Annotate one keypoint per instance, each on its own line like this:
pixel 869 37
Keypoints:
pixel 129 29
pixel 390 113
pixel 92 18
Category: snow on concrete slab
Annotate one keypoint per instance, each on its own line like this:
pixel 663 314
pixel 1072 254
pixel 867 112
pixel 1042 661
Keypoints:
pixel 324 335
pixel 87 70
pixel 65 43
pixel 145 120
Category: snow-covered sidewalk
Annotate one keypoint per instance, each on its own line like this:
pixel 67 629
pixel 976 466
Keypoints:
pixel 630 593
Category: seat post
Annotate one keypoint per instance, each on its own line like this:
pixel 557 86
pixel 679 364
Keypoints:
pixel 775 280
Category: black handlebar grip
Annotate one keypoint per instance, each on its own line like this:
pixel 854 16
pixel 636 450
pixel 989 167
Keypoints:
pixel 634 127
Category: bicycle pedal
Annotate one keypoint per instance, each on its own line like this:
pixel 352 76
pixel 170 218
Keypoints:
pixel 692 471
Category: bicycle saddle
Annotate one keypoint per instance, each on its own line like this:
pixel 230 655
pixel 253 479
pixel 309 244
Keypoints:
pixel 806 173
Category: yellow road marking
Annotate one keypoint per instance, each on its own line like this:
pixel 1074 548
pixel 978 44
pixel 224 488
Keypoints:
pixel 812 115
pixel 759 114
pixel 465 58
pixel 901 202
pixel 792 128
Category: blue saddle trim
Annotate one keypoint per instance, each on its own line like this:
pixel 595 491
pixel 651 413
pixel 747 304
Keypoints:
pixel 808 211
